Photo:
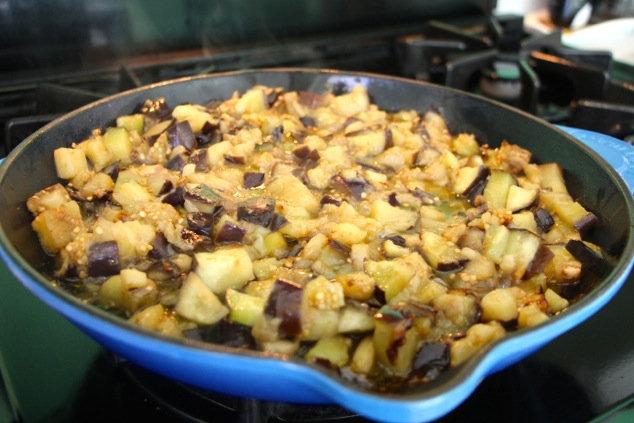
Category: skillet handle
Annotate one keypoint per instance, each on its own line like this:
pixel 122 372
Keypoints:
pixel 619 154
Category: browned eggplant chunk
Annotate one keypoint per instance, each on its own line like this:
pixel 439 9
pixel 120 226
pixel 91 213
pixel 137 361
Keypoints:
pixel 285 302
pixel 181 134
pixel 543 219
pixel 103 259
pixel 258 210
pixel 253 179
pixel 229 232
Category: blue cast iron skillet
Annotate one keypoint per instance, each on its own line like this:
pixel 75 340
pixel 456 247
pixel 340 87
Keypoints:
pixel 598 186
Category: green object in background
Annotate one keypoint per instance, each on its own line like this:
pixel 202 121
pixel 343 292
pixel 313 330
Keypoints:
pixel 43 357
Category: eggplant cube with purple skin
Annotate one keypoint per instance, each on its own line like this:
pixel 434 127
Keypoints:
pixel 440 253
pixel 395 340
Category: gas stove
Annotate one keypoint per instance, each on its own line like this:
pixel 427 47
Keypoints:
pixel 486 54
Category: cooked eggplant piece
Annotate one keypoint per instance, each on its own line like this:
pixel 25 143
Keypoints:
pixel 253 179
pixel 589 257
pixel 285 302
pixel 329 199
pixel 229 232
pixel 307 157
pixel 543 219
pixel 277 133
pixel 427 198
pixel 199 159
pixel 201 198
pixel 277 222
pixel 181 134
pixel 521 249
pixel 201 223
pixel 468 177
pixel 177 162
pixel 103 259
pixel 497 189
pixel 575 215
pixel 541 259
pixel 112 169
pixel 156 109
pixel 236 160
pixel 432 359
pixel 519 198
pixel 308 99
pixel 192 237
pixel 245 309
pixel 395 340
pixel 176 197
pixel 160 247
pixel 357 188
pixel 440 253
pixel 209 134
pixel 258 210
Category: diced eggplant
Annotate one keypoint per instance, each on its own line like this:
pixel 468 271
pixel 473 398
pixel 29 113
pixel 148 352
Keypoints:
pixel 229 232
pixel 272 96
pixel 519 198
pixel 426 197
pixel 159 247
pixel 308 121
pixel 153 133
pixel 201 223
pixel 357 188
pixel 395 340
pixel 329 199
pixel 236 160
pixel 574 214
pixel 393 200
pixel 432 359
pixel 521 249
pixel 308 99
pixel 177 163
pixel 156 109
pixel 112 170
pixel 440 254
pixel 541 259
pixel 468 177
pixel 103 259
pixel 176 197
pixel 285 302
pixel 278 221
pixel 258 210
pixel 253 179
pixel 306 156
pixel 201 198
pixel 209 134
pixel 543 219
pixel 590 258
pixel 473 238
pixel 333 351
pixel 192 237
pixel 227 267
pixel 199 158
pixel 245 309
pixel 166 187
pixel 277 133
pixel 389 139
pixel 497 189
pixel 181 134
